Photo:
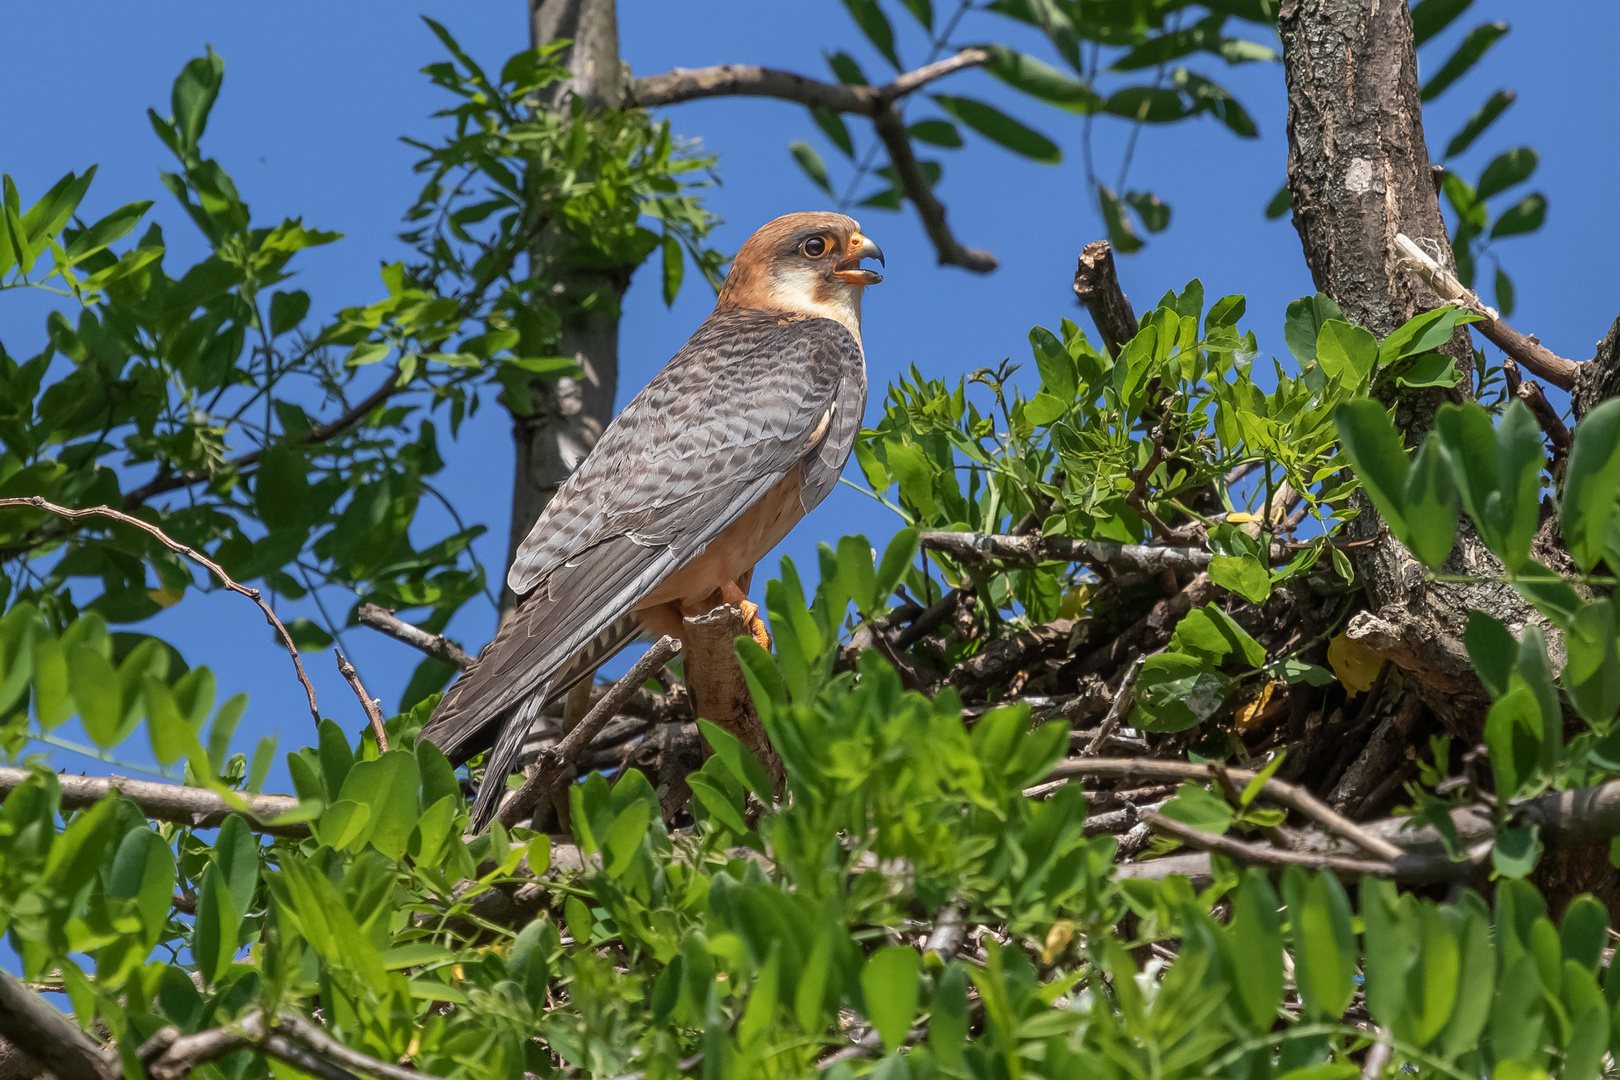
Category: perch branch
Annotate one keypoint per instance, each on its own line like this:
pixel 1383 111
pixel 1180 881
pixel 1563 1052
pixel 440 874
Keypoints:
pixel 555 767
pixel 892 130
pixel 1529 391
pixel 1096 285
pixel 1541 360
pixel 37 503
pixel 720 694
pixel 372 707
pixel 435 645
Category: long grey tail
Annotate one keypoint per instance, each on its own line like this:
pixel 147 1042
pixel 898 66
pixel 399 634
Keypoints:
pixel 498 766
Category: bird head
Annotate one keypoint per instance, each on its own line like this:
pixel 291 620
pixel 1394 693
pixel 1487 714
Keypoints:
pixel 805 264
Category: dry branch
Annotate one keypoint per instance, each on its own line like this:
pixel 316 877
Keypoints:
pixel 1096 285
pixel 1541 360
pixel 1529 391
pixel 37 503
pixel 892 130
pixel 435 645
pixel 372 707
pixel 1263 853
pixel 556 766
pixel 1290 795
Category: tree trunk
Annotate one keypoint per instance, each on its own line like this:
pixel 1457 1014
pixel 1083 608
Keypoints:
pixel 1359 171
pixel 569 417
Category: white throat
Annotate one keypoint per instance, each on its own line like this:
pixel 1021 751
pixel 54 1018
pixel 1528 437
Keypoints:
pixel 805 292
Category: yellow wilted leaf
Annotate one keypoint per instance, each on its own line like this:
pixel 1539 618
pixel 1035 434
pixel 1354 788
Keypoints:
pixel 1241 518
pixel 166 597
pixel 1057 939
pixel 1355 664
pixel 1074 602
pixel 1248 714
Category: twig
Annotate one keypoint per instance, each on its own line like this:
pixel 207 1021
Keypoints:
pixel 1096 285
pixel 1150 558
pixel 1541 360
pixel 892 130
pixel 749 80
pixel 1261 853
pixel 38 503
pixel 555 766
pixel 435 645
pixel 1281 791
pixel 29 1023
pixel 297 1027
pixel 1122 701
pixel 370 704
pixel 1529 391
pixel 948 935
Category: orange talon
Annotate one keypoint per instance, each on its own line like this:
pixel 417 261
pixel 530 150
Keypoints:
pixel 756 625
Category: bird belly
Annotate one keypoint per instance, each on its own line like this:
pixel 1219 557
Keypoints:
pixel 695 587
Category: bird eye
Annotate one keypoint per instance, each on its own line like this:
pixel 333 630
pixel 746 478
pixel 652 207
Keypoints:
pixel 815 247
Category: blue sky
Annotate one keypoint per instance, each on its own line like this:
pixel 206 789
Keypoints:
pixel 317 95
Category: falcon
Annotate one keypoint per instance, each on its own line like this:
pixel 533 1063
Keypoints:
pixel 703 473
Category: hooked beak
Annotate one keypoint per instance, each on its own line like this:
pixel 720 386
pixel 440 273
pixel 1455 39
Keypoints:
pixel 849 269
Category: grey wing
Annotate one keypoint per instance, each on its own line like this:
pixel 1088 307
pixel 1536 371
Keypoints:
pixel 718 428
pixel 826 465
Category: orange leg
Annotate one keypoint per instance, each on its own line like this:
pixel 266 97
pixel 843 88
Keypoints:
pixel 730 593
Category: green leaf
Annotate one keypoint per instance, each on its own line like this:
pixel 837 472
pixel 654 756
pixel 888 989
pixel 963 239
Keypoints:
pixel 1430 505
pixel 1377 456
pixel 1432 16
pixel 674 267
pixel 1002 129
pixel 1492 650
pixel 195 90
pixel 1504 293
pixel 1245 575
pixel 1516 851
pixel 1324 945
pixel 896 561
pixel 846 69
pixel 1513 735
pixel 1592 675
pixel 143 870
pixel 1474 46
pixel 1483 118
pixel 1592 484
pixel 1199 807
pixel 1524 216
pixel 97 694
pixel 1304 322
pixel 1506 169
pixel 936 133
pixel 624 837
pixel 1347 353
pixel 287 310
pixel 1120 233
pixel 1212 634
pixel 218 927
pixel 1257 950
pixel 1280 204
pixel 739 760
pixel 109 230
pixel 1155 215
pixel 875 25
pixel 889 982
pixel 1175 691
pixel 811 163
pixel 1040 80
pixel 832 125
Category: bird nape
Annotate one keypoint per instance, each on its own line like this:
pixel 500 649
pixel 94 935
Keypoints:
pixel 739 436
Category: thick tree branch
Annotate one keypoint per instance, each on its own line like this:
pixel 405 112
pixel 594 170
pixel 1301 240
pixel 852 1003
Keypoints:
pixel 720 694
pixel 435 645
pixel 197 807
pixel 1246 852
pixel 1096 285
pixel 1535 356
pixel 37 503
pixel 28 1022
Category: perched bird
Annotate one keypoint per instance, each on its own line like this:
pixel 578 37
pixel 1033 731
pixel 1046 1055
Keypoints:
pixel 703 473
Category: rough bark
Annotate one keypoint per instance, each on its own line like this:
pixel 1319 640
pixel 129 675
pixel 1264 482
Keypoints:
pixel 720 693
pixel 1599 379
pixel 1360 175
pixel 569 417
